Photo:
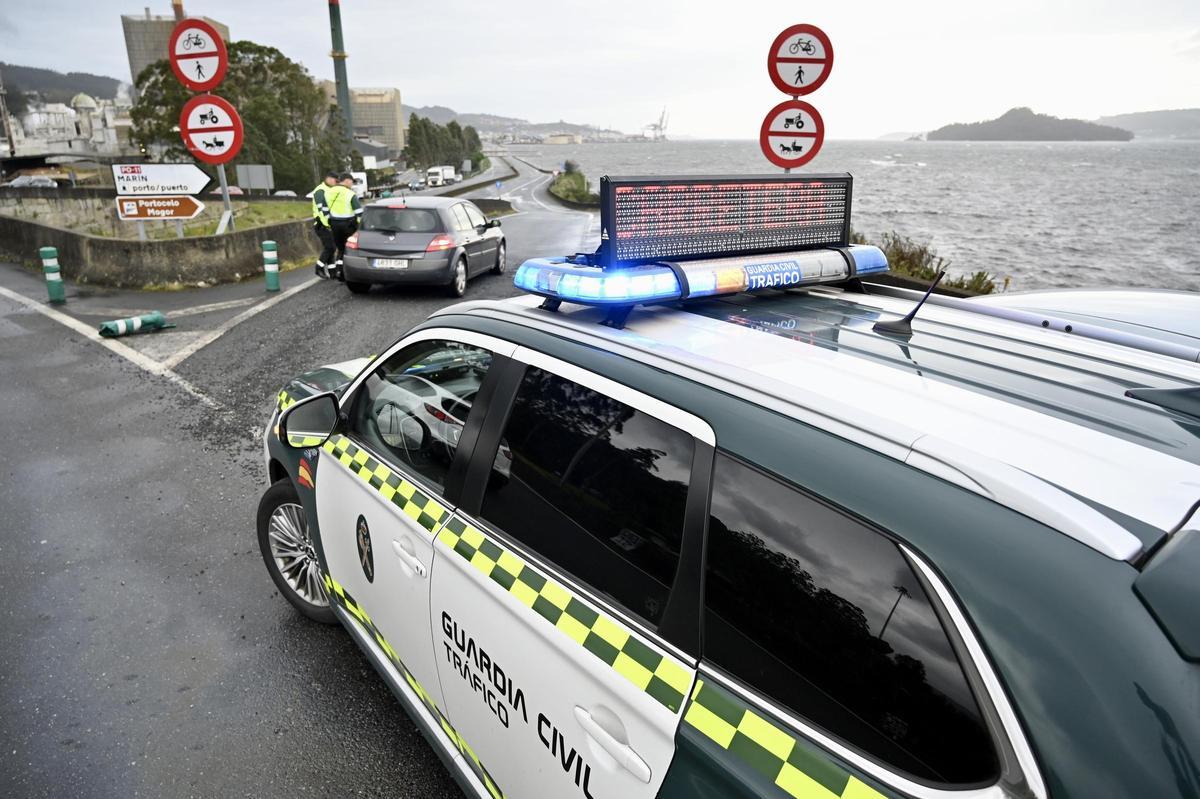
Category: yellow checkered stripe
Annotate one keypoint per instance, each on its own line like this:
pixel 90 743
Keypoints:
pixel 285 401
pixel 296 440
pixel 660 676
pixel 796 767
pixel 335 590
pixel 411 501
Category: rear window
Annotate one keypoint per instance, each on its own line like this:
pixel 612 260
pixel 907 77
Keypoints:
pixel 402 220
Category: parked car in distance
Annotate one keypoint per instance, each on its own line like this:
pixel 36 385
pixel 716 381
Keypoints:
pixel 285 193
pixel 233 190
pixel 429 240
pixel 32 182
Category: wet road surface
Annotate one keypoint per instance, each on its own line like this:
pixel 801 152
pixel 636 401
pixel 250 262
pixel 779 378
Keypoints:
pixel 143 648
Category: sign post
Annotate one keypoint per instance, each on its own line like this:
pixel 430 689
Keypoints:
pixel 140 209
pixel 154 179
pixel 791 134
pixel 799 63
pixel 210 127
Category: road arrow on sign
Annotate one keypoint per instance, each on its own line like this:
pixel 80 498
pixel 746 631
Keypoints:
pixel 138 209
pixel 148 179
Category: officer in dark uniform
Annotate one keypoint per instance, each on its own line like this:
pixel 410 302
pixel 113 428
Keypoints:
pixel 320 212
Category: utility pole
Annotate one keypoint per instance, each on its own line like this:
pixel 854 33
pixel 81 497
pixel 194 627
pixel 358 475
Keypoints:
pixel 339 67
pixel 8 129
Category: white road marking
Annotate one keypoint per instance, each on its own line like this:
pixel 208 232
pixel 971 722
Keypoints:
pixel 116 313
pixel 124 350
pixel 199 344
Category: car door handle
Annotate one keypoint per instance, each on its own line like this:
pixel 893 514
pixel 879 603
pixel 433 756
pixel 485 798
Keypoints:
pixel 409 559
pixel 622 753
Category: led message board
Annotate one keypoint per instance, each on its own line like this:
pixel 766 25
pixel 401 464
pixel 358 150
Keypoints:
pixel 648 219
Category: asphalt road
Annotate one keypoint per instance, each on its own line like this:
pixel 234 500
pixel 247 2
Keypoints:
pixel 143 648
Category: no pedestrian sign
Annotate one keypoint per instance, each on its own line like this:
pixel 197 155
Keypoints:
pixel 800 59
pixel 211 129
pixel 134 209
pixel 792 134
pixel 197 54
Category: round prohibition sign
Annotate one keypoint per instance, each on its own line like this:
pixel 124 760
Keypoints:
pixel 198 55
pixel 800 60
pixel 211 129
pixel 792 134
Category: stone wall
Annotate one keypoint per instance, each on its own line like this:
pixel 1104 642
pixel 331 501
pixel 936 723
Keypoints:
pixel 129 263
pixel 33 218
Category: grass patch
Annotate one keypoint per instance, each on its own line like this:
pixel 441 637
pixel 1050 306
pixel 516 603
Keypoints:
pixel 572 186
pixel 918 260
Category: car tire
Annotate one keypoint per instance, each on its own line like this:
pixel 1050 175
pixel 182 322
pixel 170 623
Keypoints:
pixel 458 278
pixel 283 527
pixel 358 288
pixel 501 260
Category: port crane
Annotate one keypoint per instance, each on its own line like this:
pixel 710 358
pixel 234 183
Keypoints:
pixel 657 131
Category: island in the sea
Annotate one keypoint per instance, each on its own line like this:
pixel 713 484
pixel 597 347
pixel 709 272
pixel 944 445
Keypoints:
pixel 1022 124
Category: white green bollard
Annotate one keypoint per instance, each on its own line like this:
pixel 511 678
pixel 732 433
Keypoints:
pixel 271 265
pixel 54 281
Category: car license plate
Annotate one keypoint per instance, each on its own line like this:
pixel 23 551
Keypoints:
pixel 391 263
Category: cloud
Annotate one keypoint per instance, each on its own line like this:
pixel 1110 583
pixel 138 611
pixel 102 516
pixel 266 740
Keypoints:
pixel 1190 47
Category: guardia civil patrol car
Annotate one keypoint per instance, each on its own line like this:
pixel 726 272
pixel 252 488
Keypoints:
pixel 710 514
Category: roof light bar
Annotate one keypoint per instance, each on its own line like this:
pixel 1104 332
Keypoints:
pixel 575 281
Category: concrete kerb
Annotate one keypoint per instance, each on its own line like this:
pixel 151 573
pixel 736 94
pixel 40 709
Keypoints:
pixel 468 187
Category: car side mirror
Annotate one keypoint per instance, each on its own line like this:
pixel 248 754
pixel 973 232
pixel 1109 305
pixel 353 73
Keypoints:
pixel 309 422
pixel 493 223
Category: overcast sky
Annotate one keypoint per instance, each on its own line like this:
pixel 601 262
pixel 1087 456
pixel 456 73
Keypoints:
pixel 899 66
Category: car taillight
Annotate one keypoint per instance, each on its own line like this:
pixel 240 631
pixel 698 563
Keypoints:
pixel 440 243
pixel 352 242
pixel 440 415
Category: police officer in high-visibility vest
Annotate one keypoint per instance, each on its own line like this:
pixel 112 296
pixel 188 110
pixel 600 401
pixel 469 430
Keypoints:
pixel 344 211
pixel 320 212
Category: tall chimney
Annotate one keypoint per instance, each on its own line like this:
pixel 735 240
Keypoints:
pixel 177 7
pixel 339 67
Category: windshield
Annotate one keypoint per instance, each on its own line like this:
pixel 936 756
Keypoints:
pixel 402 220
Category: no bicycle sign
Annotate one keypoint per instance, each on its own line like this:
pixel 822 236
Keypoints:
pixel 197 54
pixel 800 60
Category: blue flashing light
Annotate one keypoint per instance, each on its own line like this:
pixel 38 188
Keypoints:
pixel 570 281
pixel 868 260
pixel 560 279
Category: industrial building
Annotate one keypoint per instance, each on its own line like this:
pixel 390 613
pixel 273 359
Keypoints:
pixel 378 115
pixel 147 37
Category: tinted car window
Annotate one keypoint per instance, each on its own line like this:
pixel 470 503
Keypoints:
pixel 476 219
pixel 460 218
pixel 401 220
pixel 825 616
pixel 594 486
pixel 412 408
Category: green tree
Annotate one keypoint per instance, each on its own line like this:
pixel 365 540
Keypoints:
pixel 429 144
pixel 288 120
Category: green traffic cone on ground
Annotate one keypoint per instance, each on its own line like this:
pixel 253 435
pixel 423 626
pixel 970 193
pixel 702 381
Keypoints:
pixel 271 265
pixel 134 324
pixel 54 281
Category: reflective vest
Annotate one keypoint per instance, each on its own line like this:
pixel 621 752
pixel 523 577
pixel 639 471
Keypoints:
pixel 320 203
pixel 343 203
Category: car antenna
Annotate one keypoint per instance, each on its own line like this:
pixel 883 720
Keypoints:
pixel 903 327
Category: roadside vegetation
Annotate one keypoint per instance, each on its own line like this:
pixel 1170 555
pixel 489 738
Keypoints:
pixel 572 185
pixel 914 259
pixel 289 121
pixel 430 144
pixel 247 214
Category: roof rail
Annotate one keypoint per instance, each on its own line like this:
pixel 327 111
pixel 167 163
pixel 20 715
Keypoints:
pixel 1083 329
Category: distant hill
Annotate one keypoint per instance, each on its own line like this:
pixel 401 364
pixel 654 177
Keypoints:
pixel 57 87
pixel 1183 123
pixel 1022 124
pixel 492 123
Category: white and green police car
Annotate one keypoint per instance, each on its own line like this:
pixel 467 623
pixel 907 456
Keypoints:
pixel 649 532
